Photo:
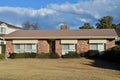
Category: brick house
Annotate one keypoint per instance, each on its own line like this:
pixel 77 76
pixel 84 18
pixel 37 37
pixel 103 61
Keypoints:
pixel 60 41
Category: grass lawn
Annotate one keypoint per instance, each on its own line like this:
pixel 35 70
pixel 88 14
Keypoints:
pixel 56 69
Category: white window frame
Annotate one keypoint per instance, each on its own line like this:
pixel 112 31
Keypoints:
pixel 2 30
pixel 65 51
pixel 24 48
pixel 97 46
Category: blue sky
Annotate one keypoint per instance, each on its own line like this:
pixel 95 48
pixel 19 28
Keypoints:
pixel 36 4
pixel 50 14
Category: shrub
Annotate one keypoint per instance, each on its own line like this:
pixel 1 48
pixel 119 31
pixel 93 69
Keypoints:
pixel 54 55
pixel 33 55
pixel 23 55
pixel 43 55
pixel 112 54
pixel 2 56
pixel 71 55
pixel 12 55
pixel 91 54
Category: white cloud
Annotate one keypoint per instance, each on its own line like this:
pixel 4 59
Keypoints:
pixel 67 13
pixel 27 11
pixel 45 11
pixel 83 20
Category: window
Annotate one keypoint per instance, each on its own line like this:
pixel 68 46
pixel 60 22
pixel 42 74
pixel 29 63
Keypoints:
pixel 97 46
pixel 18 48
pixel 68 47
pixel 93 46
pixel 2 30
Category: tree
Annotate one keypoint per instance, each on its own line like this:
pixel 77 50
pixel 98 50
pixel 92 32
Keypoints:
pixel 86 26
pixel 35 26
pixel 117 28
pixel 105 22
pixel 27 25
pixel 30 26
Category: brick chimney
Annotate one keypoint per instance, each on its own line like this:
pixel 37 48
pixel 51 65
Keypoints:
pixel 64 27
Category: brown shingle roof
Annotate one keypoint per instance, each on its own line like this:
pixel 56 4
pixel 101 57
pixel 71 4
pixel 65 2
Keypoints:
pixel 57 34
pixel 9 25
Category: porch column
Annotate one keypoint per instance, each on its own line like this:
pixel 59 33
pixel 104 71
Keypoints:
pixel 9 46
pixel 43 46
pixel 58 47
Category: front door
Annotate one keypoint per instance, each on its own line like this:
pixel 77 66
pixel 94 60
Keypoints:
pixel 52 46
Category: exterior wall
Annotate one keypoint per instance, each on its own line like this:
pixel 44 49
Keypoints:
pixel 8 29
pixel 9 46
pixel 58 47
pixel 110 44
pixel 82 46
pixel 43 46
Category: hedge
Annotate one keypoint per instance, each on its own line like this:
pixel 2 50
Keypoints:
pixel 43 55
pixel 34 55
pixel 22 55
pixel 91 54
pixel 112 54
pixel 71 55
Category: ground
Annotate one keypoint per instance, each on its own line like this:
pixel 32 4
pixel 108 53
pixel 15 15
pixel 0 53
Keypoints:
pixel 58 69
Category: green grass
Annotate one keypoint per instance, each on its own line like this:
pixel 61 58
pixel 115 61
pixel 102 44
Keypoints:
pixel 54 69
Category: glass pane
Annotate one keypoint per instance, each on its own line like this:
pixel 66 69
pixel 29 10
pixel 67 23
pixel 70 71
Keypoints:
pixel 4 30
pixel 65 47
pixel 101 47
pixel 28 46
pixel 17 46
pixel 22 46
pixel 72 47
pixel 34 46
pixel 93 46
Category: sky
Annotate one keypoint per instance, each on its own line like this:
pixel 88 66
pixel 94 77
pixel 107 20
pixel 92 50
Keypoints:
pixel 50 14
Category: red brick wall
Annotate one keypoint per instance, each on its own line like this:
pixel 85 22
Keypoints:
pixel 58 47
pixel 110 44
pixel 9 46
pixel 82 46
pixel 43 46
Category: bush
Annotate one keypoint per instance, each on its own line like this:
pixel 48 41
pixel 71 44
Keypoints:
pixel 43 55
pixel 2 56
pixel 23 55
pixel 33 55
pixel 12 55
pixel 112 54
pixel 71 55
pixel 91 54
pixel 54 55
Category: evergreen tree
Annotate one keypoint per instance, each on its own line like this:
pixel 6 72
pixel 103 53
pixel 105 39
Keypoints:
pixel 86 26
pixel 105 22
